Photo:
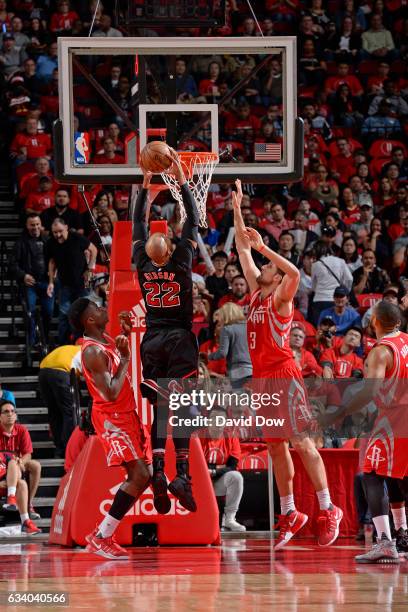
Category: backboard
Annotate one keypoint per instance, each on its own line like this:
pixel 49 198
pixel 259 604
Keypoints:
pixel 233 96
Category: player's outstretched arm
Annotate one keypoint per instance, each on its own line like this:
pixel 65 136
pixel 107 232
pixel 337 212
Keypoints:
pixel 242 242
pixel 139 230
pixel 190 227
pixel 286 291
pixel 97 365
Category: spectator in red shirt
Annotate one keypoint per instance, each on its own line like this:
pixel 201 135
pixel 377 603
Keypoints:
pixel 114 133
pixel 277 223
pixel 375 82
pixel 343 77
pixel 342 165
pixel 31 182
pixel 109 155
pixel 397 229
pixel 239 294
pixel 342 361
pixel 304 359
pixel 217 367
pixel 16 445
pixel 209 86
pixel 41 199
pixel 222 454
pixel 63 20
pixel 30 144
pixel 242 122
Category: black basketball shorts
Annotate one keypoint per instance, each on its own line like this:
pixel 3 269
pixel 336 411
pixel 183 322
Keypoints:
pixel 167 354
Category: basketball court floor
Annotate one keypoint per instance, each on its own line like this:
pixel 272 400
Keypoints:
pixel 242 574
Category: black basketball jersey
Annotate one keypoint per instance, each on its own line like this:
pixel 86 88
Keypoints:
pixel 167 290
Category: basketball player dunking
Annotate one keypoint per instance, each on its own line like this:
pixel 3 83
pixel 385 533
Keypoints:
pixel 105 364
pixel 270 317
pixel 386 458
pixel 169 348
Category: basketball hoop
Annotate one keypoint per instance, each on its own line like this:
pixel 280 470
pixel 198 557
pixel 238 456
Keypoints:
pixel 198 168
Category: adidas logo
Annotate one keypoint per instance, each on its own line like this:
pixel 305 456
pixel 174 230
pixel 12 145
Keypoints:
pixel 144 505
pixel 138 314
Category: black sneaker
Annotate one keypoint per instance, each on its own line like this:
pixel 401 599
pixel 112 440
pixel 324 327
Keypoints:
pixel 402 540
pixel 180 487
pixel 161 500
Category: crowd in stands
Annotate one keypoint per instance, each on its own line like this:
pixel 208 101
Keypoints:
pixel 345 225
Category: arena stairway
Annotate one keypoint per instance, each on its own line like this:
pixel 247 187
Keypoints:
pixel 20 379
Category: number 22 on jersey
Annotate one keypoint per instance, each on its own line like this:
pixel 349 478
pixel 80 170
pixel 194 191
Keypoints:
pixel 162 295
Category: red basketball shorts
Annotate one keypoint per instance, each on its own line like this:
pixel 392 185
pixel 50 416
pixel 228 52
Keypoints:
pixel 123 437
pixel 288 402
pixel 387 456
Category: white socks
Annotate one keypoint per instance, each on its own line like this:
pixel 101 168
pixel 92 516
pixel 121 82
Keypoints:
pixel 11 491
pixel 324 499
pixel 108 526
pixel 287 504
pixel 382 525
pixel 24 518
pixel 400 518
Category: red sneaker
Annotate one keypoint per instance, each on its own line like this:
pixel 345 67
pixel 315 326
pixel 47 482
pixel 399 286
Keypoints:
pixel 289 524
pixel 30 528
pixel 11 504
pixel 328 525
pixel 105 547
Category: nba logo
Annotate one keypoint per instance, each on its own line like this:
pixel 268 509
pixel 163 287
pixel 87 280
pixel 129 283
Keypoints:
pixel 81 148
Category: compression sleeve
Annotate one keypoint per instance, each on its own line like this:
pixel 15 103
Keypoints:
pixel 190 227
pixel 139 229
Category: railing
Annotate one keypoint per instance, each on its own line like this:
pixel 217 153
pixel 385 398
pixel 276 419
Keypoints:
pixel 19 296
pixel 3 268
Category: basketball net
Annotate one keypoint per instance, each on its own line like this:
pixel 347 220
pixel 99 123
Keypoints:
pixel 198 168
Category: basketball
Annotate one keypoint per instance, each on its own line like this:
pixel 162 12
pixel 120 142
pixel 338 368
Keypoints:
pixel 156 157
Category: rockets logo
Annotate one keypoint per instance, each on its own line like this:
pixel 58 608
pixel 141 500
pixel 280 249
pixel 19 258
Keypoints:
pixel 375 456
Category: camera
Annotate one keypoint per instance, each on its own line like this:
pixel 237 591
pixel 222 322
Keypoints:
pixel 328 334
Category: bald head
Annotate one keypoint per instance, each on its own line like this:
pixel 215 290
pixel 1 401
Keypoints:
pixel 158 248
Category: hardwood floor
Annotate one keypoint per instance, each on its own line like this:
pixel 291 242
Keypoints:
pixel 241 575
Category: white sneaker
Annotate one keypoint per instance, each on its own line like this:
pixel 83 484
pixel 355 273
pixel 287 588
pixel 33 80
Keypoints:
pixel 231 524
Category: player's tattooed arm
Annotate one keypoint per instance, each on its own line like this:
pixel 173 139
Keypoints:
pixel 139 229
pixel 97 365
pixel 242 241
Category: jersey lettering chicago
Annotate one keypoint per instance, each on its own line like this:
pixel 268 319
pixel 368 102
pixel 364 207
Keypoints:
pixel 168 290
pixel 387 448
pixel 268 336
pixel 125 401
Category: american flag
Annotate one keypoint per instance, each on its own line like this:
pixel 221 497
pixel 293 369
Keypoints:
pixel 268 151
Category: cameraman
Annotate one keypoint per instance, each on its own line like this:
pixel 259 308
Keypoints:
pixel 325 337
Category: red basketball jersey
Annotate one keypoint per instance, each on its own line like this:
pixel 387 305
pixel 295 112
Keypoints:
pixel 386 452
pixel 394 390
pixel 126 400
pixel 268 336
